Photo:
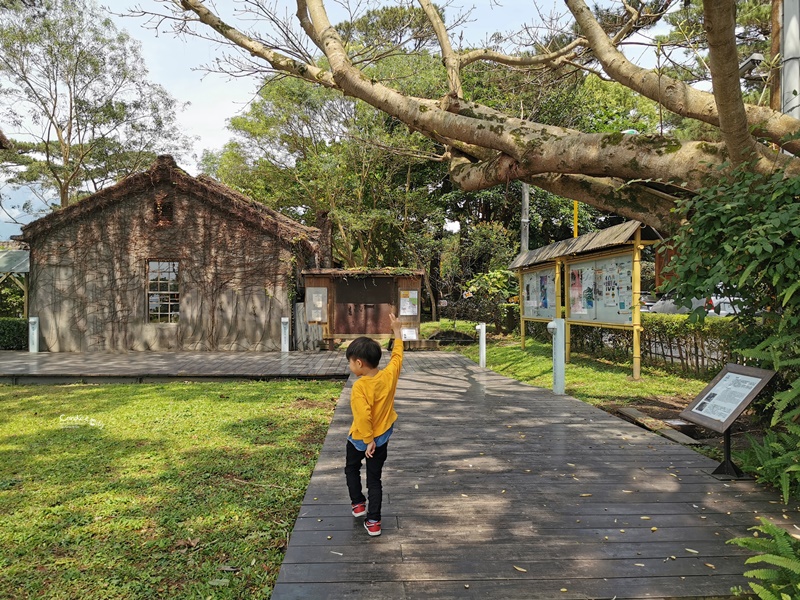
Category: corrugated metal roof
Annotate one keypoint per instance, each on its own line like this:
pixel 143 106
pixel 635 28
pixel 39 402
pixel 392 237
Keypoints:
pixel 15 261
pixel 597 240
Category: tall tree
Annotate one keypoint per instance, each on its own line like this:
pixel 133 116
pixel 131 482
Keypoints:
pixel 76 90
pixel 636 176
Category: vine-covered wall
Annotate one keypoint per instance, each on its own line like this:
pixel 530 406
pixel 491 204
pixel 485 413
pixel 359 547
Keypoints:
pixel 89 278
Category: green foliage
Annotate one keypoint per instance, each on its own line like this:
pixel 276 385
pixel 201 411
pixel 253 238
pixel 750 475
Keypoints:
pixel 79 86
pixel 742 239
pixel 778 549
pixel 775 459
pixel 12 299
pixel 614 108
pixel 13 334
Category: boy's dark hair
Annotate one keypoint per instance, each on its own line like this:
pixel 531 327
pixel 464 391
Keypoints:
pixel 366 350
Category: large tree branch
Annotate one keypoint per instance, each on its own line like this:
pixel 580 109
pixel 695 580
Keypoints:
pixel 720 26
pixel 277 61
pixel 675 95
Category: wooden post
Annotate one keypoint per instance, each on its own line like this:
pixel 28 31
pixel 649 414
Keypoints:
pixel 562 300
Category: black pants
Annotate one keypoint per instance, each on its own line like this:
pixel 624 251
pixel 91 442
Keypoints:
pixel 352 473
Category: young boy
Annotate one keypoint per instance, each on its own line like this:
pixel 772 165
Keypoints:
pixel 372 403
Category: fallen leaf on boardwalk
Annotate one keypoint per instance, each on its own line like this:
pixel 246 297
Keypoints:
pixel 645 518
pixel 563 589
pixel 638 564
pixel 654 529
pixel 571 464
pixel 627 491
pixel 622 531
pixel 520 569
pixel 465 496
pixel 585 495
pixel 710 566
pixel 338 553
pixel 692 551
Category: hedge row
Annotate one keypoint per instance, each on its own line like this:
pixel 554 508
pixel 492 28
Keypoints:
pixel 666 339
pixel 13 334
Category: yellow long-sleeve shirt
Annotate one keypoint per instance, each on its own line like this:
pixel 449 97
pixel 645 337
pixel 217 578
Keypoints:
pixel 372 399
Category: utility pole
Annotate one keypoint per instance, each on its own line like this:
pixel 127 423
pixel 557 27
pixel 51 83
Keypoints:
pixel 790 77
pixel 525 218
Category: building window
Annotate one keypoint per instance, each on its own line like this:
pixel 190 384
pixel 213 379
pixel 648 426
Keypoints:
pixel 162 291
pixel 163 210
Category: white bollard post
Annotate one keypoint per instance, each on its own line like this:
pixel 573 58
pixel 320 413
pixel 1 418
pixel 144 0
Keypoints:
pixel 558 331
pixel 33 334
pixel 481 329
pixel 284 334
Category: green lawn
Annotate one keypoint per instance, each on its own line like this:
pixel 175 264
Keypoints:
pixel 144 491
pixel 602 383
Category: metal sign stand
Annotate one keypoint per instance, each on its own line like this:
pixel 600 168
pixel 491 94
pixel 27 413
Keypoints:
pixel 726 469
pixel 720 404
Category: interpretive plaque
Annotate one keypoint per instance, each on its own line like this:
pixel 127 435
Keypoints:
pixel 726 397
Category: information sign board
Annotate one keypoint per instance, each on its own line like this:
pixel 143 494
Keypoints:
pixel 601 290
pixel 409 303
pixel 317 304
pixel 726 397
pixel 539 294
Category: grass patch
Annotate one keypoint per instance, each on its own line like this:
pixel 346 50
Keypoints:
pixel 183 490
pixel 599 382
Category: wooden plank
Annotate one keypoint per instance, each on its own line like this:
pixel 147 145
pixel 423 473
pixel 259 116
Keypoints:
pixel 658 426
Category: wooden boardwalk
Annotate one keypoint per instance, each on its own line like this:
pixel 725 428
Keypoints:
pixel 494 489
pixel 139 367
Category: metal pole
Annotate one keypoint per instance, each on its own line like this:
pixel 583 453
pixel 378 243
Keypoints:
pixel 481 327
pixel 558 331
pixel 525 218
pixel 790 78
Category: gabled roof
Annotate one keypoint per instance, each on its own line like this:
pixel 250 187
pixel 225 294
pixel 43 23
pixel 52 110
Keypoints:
pixel 15 261
pixel 210 191
pixel 589 242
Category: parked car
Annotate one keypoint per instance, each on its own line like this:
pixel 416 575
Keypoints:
pixel 647 300
pixel 722 306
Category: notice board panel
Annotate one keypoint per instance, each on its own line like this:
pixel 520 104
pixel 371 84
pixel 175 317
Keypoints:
pixel 539 294
pixel 601 290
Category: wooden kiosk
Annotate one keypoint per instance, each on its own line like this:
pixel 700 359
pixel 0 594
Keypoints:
pixel 350 303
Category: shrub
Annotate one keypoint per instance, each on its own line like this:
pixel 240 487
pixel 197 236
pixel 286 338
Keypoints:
pixel 13 334
pixel 781 551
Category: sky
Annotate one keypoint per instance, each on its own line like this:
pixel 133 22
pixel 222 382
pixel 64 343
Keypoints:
pixel 176 64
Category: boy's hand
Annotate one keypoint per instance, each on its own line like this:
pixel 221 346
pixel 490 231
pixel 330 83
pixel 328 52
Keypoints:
pixel 370 449
pixel 396 325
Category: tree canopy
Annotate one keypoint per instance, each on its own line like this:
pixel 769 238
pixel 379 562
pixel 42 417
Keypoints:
pixel 487 143
pixel 78 102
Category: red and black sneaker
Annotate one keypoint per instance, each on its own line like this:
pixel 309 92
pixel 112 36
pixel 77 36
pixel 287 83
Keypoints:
pixel 373 527
pixel 359 509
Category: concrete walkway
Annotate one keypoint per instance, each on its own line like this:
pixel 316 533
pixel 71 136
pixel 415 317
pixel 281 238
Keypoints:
pixel 495 489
